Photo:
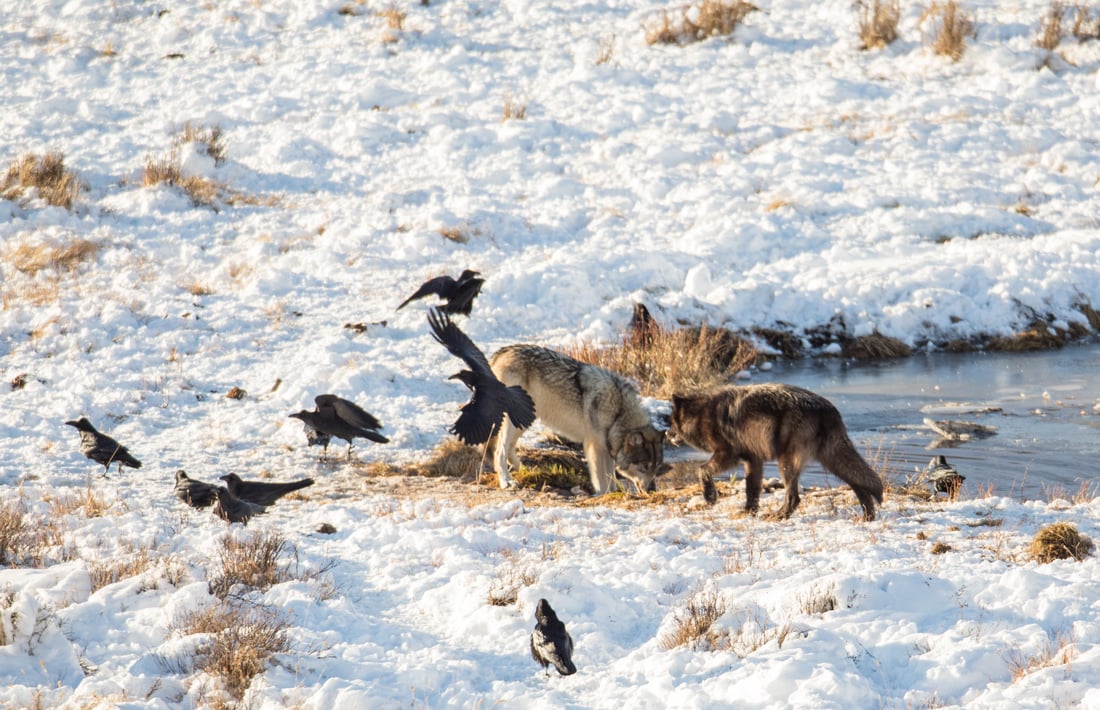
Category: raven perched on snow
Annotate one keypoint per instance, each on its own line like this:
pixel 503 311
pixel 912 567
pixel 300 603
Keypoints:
pixel 550 642
pixel 262 492
pixel 459 293
pixel 232 509
pixel 944 477
pixel 338 417
pixel 101 448
pixel 197 494
pixel 483 414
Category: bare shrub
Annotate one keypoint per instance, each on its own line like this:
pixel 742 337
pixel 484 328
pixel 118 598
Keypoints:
pixel 1059 541
pixel 210 137
pixel 1086 22
pixel 1050 29
pixel 394 16
pixel 693 624
pixel 817 601
pixel 14 530
pixel 242 639
pixel 45 174
pixel 875 347
pixel 1057 651
pixel 949 27
pixel 202 191
pixel 682 360
pixel 605 50
pixel 511 576
pixel 453 459
pixel 878 23
pixel 251 561
pixel 120 567
pixel 708 18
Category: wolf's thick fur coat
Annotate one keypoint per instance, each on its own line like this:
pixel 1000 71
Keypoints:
pixel 771 422
pixel 583 403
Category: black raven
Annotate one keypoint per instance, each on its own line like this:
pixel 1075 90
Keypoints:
pixel 483 414
pixel 262 492
pixel 550 642
pixel 459 293
pixel 338 417
pixel 197 494
pixel 944 477
pixel 232 509
pixel 101 448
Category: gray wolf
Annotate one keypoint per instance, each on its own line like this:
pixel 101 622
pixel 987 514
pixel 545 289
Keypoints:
pixel 481 417
pixel 550 642
pixel 771 422
pixel 583 403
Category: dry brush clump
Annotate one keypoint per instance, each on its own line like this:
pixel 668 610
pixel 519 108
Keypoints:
pixel 878 23
pixel 15 530
pixel 693 624
pixel 948 27
pixel 511 577
pixel 240 640
pixel 259 561
pixel 668 361
pixel 167 169
pixel 1059 541
pixel 708 18
pixel 45 175
pixel 1057 650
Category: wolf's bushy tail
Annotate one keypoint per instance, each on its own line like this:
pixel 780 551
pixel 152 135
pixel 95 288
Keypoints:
pixel 839 456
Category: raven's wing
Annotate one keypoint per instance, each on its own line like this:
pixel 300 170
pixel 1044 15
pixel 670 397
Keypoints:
pixel 108 451
pixel 519 406
pixel 459 344
pixel 462 300
pixel 349 412
pixel 441 286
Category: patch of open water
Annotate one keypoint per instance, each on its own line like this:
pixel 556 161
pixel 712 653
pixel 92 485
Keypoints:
pixel 1045 407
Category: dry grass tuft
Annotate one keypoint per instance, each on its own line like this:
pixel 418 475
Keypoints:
pixel 668 361
pixel 818 602
pixel 511 577
pixel 693 626
pixel 458 235
pixel 250 561
pixel 14 530
pixel 1037 336
pixel 32 258
pixel 1057 651
pixel 242 640
pixel 940 548
pixel 452 459
pixel 878 23
pixel 949 28
pixel 394 16
pixel 708 18
pixel 556 467
pixel 1086 22
pixel 88 501
pixel 116 569
pixel 605 50
pixel 1050 29
pixel 202 191
pixel 46 175
pixel 875 347
pixel 209 137
pixel 1059 541
pixel 514 108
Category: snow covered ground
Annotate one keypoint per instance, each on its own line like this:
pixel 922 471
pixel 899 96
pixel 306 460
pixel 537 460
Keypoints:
pixel 781 177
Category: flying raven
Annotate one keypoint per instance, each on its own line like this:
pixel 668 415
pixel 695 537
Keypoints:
pixel 483 414
pixel 459 293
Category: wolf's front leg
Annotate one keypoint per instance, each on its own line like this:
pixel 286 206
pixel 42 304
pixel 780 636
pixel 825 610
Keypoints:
pixel 601 467
pixel 506 451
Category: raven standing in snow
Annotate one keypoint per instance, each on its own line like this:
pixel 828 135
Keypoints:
pixel 335 416
pixel 101 448
pixel 944 477
pixel 550 642
pixel 483 414
pixel 197 494
pixel 232 509
pixel 459 293
pixel 262 492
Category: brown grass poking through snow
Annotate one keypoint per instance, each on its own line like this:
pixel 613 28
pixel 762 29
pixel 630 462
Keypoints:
pixel 682 360
pixel 1059 541
pixel 14 529
pixel 514 108
pixel 32 258
pixel 453 459
pixel 46 175
pixel 210 138
pixel 878 23
pixel 1058 650
pixel 1086 22
pixel 252 560
pixel 875 347
pixel 1050 28
pixel 693 624
pixel 949 27
pixel 242 638
pixel 202 191
pixel 708 18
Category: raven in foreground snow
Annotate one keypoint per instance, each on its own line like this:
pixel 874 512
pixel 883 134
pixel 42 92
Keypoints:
pixel 459 293
pixel 101 448
pixel 483 414
pixel 262 492
pixel 197 494
pixel 944 477
pixel 338 417
pixel 550 642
